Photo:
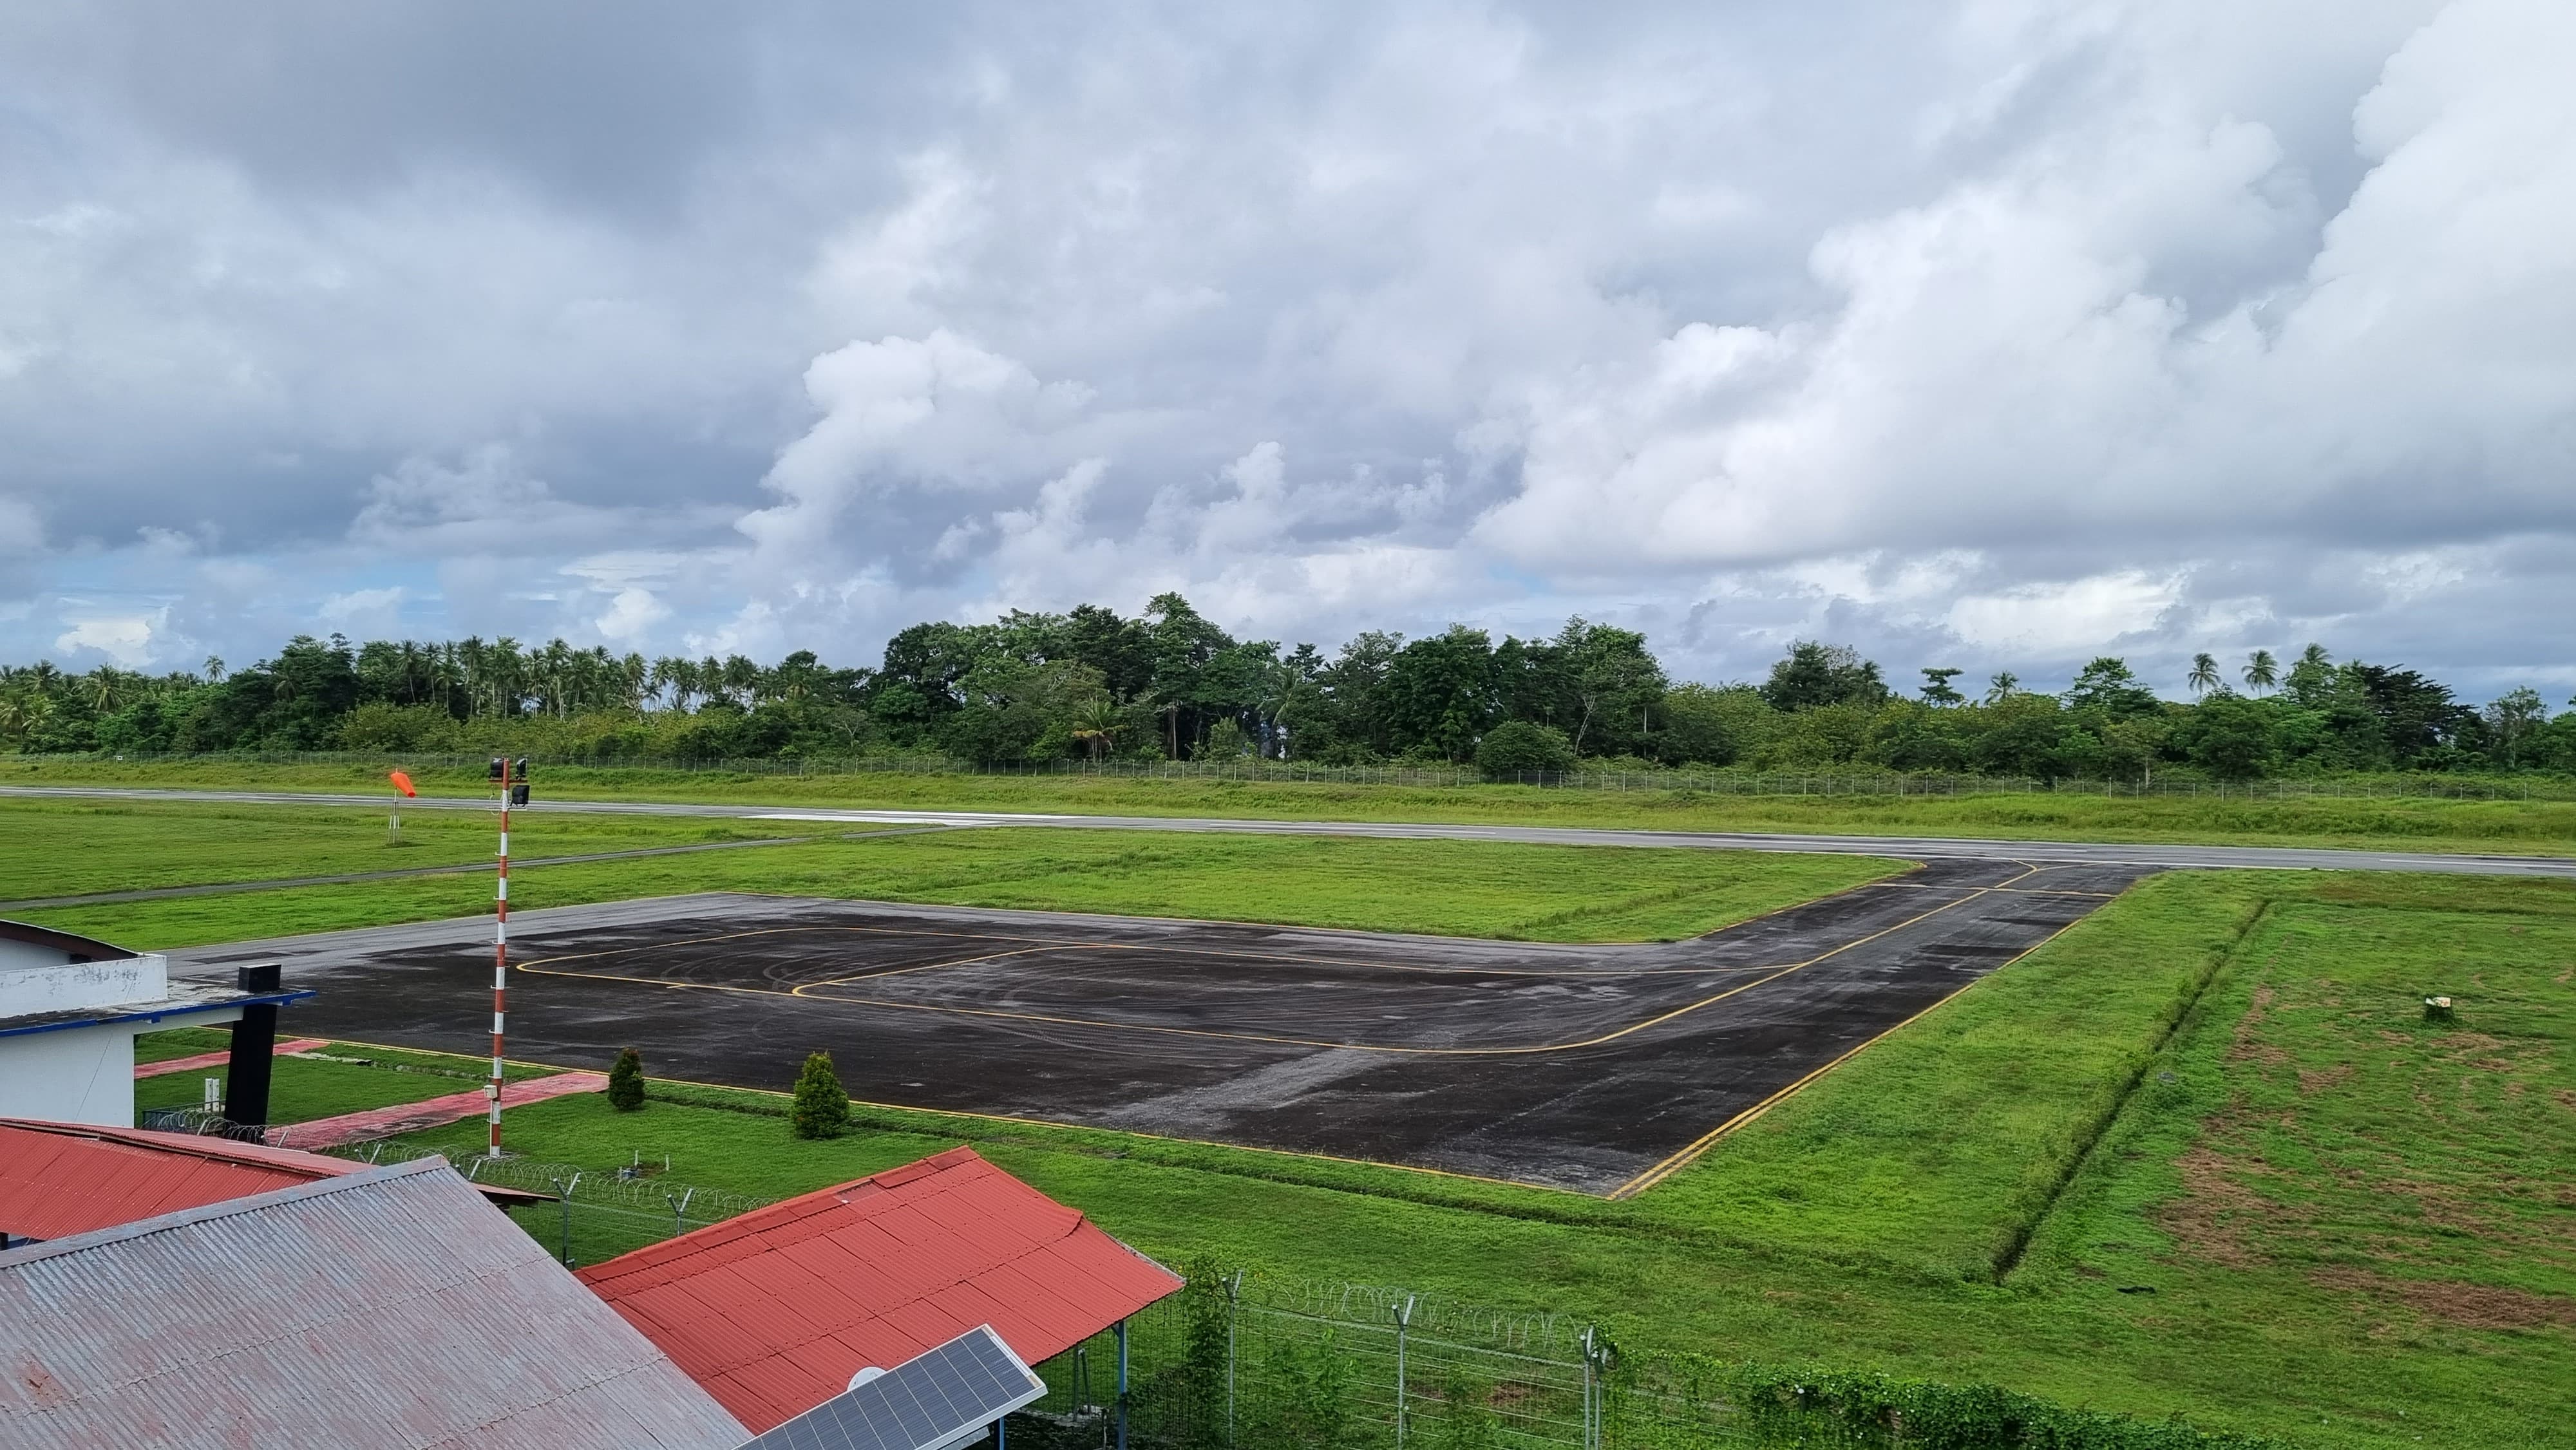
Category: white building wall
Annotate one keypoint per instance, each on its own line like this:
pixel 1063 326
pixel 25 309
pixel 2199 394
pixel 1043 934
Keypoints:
pixel 29 988
pixel 77 1075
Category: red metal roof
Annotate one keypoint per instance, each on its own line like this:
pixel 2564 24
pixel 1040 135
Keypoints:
pixel 772 1312
pixel 60 1179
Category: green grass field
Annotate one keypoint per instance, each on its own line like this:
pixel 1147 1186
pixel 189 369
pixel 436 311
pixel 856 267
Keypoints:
pixel 2531 827
pixel 2200 1155
pixel 1452 888
pixel 302 1088
pixel 300 1091
pixel 71 847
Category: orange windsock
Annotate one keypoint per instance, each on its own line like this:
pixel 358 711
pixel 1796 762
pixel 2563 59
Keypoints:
pixel 401 782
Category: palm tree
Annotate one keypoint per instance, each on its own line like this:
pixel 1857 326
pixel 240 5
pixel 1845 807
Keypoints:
pixel 2262 672
pixel 675 679
pixel 1096 723
pixel 445 675
pixel 2204 674
pixel 2002 686
pixel 214 669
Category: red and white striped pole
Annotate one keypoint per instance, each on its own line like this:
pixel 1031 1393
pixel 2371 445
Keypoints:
pixel 500 959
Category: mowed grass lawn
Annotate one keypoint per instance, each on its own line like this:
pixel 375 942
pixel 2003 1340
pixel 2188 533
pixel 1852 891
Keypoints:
pixel 301 1090
pixel 52 847
pixel 2244 817
pixel 305 1087
pixel 2200 1155
pixel 1449 888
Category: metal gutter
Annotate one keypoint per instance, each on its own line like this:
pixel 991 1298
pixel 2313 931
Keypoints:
pixel 154 1012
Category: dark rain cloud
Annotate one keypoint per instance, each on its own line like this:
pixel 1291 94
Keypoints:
pixel 1994 335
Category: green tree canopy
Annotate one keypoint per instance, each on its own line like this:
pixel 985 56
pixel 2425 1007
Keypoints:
pixel 1814 674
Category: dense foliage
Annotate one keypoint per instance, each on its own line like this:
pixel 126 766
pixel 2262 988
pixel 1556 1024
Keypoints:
pixel 1171 684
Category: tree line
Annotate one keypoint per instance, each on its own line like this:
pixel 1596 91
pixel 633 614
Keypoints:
pixel 1170 684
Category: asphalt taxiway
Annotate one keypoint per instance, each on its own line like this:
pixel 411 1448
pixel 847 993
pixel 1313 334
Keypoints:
pixel 1593 1068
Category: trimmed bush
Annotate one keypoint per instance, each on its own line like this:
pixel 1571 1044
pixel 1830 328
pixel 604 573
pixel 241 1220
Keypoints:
pixel 821 1109
pixel 626 1081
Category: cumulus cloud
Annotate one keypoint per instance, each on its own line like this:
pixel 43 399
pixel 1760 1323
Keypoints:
pixel 130 640
pixel 936 414
pixel 1995 334
pixel 2046 350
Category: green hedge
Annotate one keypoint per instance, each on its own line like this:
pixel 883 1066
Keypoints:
pixel 1667 1402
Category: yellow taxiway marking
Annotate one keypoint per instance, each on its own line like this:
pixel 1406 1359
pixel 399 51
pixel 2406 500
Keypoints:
pixel 1700 1146
pixel 1076 944
pixel 1273 1039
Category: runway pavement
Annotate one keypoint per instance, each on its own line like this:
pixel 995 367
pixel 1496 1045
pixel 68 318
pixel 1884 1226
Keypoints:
pixel 1593 1068
pixel 2159 856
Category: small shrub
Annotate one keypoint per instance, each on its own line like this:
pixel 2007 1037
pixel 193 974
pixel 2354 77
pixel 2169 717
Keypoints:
pixel 821 1109
pixel 1517 746
pixel 1225 741
pixel 626 1081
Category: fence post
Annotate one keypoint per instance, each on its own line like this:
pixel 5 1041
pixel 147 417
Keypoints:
pixel 1122 1384
pixel 1233 1304
pixel 1403 1325
pixel 565 1191
pixel 1591 1417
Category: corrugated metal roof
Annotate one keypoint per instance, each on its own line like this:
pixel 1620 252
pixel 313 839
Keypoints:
pixel 389 1307
pixel 775 1310
pixel 60 1179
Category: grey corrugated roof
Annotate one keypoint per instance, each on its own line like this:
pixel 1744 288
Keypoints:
pixel 391 1308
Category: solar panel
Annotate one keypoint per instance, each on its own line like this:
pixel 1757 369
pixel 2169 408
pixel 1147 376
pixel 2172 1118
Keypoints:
pixel 930 1400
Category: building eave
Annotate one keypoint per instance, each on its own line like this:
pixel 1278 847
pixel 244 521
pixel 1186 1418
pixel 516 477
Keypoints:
pixel 192 1004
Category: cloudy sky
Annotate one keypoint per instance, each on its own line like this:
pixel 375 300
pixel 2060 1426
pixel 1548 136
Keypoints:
pixel 1995 334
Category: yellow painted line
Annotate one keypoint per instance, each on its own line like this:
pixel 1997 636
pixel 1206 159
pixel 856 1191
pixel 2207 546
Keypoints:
pixel 1077 944
pixel 1285 1041
pixel 780 930
pixel 1700 1146
pixel 1910 868
pixel 2002 890
pixel 903 971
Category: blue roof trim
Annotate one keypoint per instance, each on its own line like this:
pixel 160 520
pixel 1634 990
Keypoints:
pixel 279 999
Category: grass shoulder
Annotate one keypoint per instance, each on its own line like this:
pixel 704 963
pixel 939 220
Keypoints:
pixel 2509 826
pixel 57 847
pixel 1447 888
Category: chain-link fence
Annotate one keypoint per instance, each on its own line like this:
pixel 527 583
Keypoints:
pixel 1239 1362
pixel 1263 1364
pixel 596 1213
pixel 1640 778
